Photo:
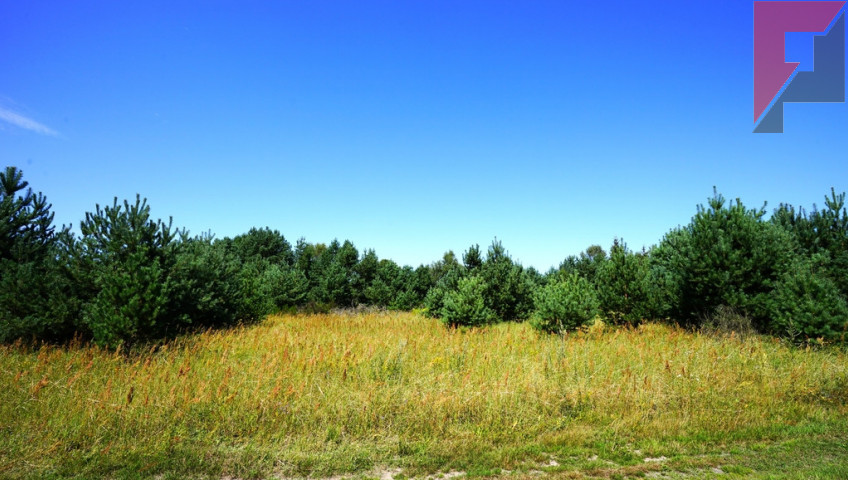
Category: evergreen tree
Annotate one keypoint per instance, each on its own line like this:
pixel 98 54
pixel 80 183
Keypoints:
pixel 586 264
pixel 472 258
pixel 624 286
pixel 32 289
pixel 727 256
pixel 125 258
pixel 446 275
pixel 508 289
pixel 564 304
pixel 823 233
pixel 364 275
pixel 265 244
pixel 26 230
pixel 466 305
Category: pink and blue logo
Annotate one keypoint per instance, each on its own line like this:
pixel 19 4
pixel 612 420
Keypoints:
pixel 777 81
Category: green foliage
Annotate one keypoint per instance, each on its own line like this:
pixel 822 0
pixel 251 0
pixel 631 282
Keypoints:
pixel 807 304
pixel 330 272
pixel 364 276
pixel 304 258
pixel 626 289
pixel 398 288
pixel 666 273
pixel 440 268
pixel 208 285
pixel 265 244
pixel 822 232
pixel 283 287
pixel 136 278
pixel 125 258
pixel 448 274
pixel 26 230
pixel 129 278
pixel 535 277
pixel 466 306
pixel 472 258
pixel 416 284
pixel 586 264
pixel 386 285
pixel 508 289
pixel 505 289
pixel 564 304
pixel 35 301
pixel 31 285
pixel 728 256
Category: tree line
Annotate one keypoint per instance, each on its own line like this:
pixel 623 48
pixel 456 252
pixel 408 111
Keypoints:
pixel 126 277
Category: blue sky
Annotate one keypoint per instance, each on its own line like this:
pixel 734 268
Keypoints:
pixel 407 127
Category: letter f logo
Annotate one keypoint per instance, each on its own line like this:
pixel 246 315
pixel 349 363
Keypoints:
pixel 775 80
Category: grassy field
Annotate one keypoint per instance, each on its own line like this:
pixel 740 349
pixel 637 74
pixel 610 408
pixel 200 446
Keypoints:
pixel 396 394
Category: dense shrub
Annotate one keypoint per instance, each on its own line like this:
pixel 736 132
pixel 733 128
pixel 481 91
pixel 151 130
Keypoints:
pixel 506 289
pixel 434 301
pixel 26 230
pixel 466 306
pixel 266 244
pixel 666 274
pixel 472 259
pixel 36 301
pixel 209 287
pixel 136 278
pixel 442 267
pixel 728 256
pixel 364 275
pixel 392 287
pixel 411 286
pixel 283 288
pixel 331 274
pixel 808 305
pixel 586 264
pixel 564 304
pixel 626 290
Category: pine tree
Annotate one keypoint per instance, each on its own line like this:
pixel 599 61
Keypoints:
pixel 26 222
pixel 32 288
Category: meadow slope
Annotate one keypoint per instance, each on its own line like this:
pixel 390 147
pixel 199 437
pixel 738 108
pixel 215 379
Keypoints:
pixel 318 395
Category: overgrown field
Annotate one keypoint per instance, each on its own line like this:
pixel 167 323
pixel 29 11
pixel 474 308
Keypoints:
pixel 355 393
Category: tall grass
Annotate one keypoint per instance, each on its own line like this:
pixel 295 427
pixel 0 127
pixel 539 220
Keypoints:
pixel 322 394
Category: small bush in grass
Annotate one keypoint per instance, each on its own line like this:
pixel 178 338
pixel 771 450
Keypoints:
pixel 434 301
pixel 564 304
pixel 466 306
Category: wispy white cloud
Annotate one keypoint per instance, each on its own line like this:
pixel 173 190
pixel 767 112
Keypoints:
pixel 24 122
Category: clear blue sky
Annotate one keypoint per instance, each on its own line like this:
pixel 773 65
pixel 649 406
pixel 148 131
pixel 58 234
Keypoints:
pixel 410 127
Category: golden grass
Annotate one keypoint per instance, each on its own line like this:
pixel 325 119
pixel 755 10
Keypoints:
pixel 327 393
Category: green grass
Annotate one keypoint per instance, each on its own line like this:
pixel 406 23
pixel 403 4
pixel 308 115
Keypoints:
pixel 320 395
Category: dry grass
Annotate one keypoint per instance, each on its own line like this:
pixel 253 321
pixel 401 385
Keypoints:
pixel 323 394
